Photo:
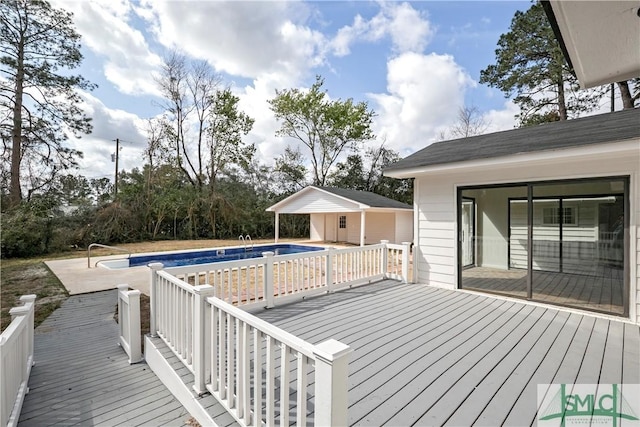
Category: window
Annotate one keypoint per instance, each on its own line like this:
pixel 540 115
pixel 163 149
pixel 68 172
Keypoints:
pixel 551 216
pixel 342 221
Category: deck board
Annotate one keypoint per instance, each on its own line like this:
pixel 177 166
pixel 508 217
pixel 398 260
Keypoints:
pixel 599 290
pixel 432 356
pixel 82 376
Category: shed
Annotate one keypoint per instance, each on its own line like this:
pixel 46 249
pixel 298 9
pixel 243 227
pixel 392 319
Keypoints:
pixel 351 216
pixel 549 213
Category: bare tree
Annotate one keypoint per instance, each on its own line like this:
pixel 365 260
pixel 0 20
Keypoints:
pixel 189 89
pixel 470 122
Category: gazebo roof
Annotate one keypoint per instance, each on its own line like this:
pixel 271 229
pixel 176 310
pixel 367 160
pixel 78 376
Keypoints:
pixel 356 199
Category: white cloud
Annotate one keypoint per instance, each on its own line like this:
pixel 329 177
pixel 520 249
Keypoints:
pixel 106 30
pixel 246 39
pixel 424 95
pixel 253 101
pixel 109 124
pixel 408 28
pixel 504 119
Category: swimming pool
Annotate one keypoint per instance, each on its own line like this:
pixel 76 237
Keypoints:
pixel 175 259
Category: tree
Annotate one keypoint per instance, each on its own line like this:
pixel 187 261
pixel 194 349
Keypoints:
pixel 39 99
pixel 630 93
pixel 470 123
pixel 324 126
pixel 226 127
pixel 531 66
pixel 366 174
pixel 74 190
pixel 189 89
pixel 350 174
pixel 290 171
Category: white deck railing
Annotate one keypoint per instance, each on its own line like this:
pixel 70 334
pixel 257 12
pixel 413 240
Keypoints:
pixel 263 375
pixel 16 360
pixel 129 322
pixel 254 368
pixel 269 280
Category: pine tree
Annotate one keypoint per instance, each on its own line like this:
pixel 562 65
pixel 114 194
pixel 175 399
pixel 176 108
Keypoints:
pixel 39 102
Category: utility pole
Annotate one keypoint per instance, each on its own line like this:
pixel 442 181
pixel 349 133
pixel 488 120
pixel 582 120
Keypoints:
pixel 115 158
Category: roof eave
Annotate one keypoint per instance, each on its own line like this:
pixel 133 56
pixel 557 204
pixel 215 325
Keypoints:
pixel 629 145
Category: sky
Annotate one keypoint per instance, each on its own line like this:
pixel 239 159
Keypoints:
pixel 415 64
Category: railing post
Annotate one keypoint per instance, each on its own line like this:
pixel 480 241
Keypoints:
pixel 29 301
pixel 268 278
pixel 332 372
pixel 16 312
pixel 406 252
pixel 385 258
pixel 153 297
pixel 328 268
pixel 133 325
pixel 200 339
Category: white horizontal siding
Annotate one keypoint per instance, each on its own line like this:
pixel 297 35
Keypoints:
pixel 404 227
pixel 435 199
pixel 379 226
pixel 316 201
pixel 353 228
pixel 316 226
pixel 580 242
pixel 437 234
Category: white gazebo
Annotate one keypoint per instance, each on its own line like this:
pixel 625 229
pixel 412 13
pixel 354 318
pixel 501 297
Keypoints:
pixel 351 216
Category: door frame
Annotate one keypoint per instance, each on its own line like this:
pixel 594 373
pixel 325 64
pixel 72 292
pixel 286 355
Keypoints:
pixel 626 181
pixel 472 222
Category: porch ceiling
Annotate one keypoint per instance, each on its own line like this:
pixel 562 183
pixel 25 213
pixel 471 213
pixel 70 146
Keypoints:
pixel 600 38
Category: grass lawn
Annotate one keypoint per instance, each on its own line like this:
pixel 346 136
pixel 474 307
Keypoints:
pixel 31 276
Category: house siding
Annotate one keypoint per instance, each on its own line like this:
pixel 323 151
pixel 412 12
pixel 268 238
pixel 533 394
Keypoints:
pixel 316 227
pixel 380 226
pixel 404 227
pixel 318 202
pixel 353 228
pixel 580 241
pixel 435 200
pixel 436 234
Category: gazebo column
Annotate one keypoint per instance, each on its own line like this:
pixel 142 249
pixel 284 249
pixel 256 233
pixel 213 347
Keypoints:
pixel 362 226
pixel 277 227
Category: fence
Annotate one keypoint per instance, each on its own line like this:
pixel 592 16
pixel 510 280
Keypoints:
pixel 259 372
pixel 264 282
pixel 129 322
pixel 16 360
pixel 264 375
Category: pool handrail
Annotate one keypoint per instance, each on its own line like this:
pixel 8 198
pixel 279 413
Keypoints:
pixel 247 238
pixel 91 246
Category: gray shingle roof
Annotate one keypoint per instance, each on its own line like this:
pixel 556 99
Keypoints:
pixel 610 127
pixel 365 197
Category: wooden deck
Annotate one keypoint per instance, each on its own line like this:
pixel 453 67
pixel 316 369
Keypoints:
pixel 82 376
pixel 428 356
pixel 599 290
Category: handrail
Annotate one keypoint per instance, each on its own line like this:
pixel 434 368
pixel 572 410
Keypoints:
pixel 244 242
pixel 103 246
pixel 247 238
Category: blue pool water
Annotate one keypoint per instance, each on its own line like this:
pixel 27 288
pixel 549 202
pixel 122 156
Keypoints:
pixel 217 255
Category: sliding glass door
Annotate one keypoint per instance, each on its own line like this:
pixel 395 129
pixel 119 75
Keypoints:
pixel 492 241
pixel 561 242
